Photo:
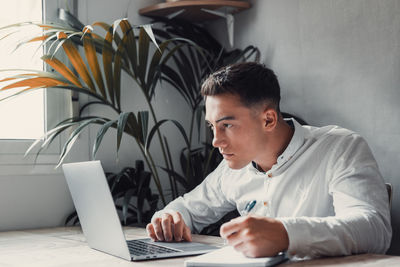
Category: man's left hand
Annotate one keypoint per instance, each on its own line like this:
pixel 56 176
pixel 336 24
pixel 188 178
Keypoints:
pixel 256 236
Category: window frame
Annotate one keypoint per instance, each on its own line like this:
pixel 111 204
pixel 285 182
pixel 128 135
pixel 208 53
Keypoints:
pixel 58 106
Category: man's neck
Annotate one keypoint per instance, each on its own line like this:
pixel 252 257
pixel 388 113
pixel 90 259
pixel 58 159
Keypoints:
pixel 281 139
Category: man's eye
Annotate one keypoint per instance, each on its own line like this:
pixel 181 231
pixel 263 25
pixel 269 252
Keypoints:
pixel 226 125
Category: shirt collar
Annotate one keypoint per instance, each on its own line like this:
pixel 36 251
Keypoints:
pixel 295 143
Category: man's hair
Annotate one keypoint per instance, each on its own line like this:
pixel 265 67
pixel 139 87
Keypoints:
pixel 251 81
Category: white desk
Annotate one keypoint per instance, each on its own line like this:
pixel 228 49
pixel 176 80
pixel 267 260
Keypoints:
pixel 67 247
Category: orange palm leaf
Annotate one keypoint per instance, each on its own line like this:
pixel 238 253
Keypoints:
pixel 77 61
pixel 62 69
pixel 91 56
pixel 107 64
pixel 39 38
pixel 37 82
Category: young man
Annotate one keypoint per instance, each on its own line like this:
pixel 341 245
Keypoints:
pixel 317 191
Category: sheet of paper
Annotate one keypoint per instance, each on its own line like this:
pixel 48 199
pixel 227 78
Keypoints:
pixel 228 256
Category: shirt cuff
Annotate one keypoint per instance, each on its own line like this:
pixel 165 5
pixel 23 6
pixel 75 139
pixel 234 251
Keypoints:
pixel 299 236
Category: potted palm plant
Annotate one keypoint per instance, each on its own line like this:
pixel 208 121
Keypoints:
pixel 182 55
pixel 123 48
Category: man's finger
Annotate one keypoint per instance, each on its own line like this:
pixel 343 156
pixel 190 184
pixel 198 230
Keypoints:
pixel 150 232
pixel 187 235
pixel 241 246
pixel 178 226
pixel 230 227
pixel 158 229
pixel 166 224
pixel 234 238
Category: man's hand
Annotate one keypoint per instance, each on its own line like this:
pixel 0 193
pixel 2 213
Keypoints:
pixel 168 228
pixel 256 236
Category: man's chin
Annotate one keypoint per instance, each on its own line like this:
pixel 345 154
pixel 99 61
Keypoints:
pixel 236 165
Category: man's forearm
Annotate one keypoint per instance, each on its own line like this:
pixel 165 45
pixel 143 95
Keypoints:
pixel 344 235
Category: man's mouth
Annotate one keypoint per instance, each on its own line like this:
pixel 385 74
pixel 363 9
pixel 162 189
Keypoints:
pixel 227 155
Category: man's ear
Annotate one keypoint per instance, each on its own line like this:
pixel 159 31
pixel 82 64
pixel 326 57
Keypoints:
pixel 270 119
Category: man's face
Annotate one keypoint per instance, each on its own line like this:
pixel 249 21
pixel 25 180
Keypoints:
pixel 238 130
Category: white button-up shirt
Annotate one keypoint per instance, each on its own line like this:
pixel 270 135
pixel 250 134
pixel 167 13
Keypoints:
pixel 325 188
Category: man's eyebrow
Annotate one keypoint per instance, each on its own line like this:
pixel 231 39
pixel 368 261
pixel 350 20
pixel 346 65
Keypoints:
pixel 222 119
pixel 225 118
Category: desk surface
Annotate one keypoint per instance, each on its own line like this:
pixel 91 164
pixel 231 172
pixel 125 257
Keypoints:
pixel 67 247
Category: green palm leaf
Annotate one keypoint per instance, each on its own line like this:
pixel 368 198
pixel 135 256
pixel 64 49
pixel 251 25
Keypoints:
pixel 131 44
pixel 155 128
pixel 74 135
pixel 100 135
pixel 143 122
pixel 123 118
pixel 155 62
pixel 86 105
pixel 117 70
pixel 48 137
pixel 144 43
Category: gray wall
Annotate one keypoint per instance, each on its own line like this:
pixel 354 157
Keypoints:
pixel 33 200
pixel 338 63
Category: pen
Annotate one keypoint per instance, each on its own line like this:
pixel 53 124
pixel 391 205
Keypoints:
pixel 249 207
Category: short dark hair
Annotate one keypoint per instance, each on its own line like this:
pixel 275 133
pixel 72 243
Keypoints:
pixel 252 82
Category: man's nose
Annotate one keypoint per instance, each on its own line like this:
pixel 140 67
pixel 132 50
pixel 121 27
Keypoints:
pixel 218 139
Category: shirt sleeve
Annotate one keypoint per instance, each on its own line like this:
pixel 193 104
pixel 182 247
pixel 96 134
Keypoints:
pixel 204 205
pixel 361 223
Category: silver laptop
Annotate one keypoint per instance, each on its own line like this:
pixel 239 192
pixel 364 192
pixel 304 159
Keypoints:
pixel 100 223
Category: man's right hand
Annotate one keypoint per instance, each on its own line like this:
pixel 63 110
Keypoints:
pixel 170 227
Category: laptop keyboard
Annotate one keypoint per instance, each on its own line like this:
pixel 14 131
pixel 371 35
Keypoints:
pixel 138 248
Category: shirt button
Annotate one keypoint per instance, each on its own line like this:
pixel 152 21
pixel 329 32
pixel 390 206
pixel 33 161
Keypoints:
pixel 265 203
pixel 270 175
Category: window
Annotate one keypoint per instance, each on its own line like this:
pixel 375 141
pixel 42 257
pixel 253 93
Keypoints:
pixel 50 106
pixel 21 117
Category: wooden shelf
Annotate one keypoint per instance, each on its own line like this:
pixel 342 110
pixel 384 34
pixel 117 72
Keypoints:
pixel 193 9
